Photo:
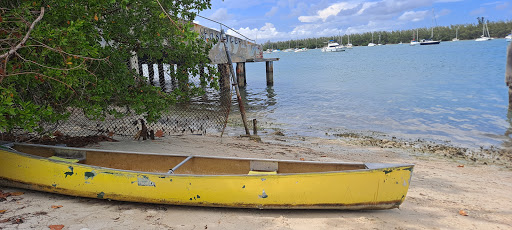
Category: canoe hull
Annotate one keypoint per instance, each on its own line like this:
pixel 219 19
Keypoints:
pixel 381 188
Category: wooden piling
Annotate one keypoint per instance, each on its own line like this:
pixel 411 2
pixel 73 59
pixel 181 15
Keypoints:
pixel 240 74
pixel 508 75
pixel 151 73
pixel 270 73
pixel 161 76
pixel 254 127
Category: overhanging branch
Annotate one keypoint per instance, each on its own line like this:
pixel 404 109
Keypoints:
pixel 27 35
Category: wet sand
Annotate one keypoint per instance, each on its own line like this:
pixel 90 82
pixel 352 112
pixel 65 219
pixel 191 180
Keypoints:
pixel 442 185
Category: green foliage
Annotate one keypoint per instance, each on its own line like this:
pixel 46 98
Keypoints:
pixel 498 29
pixel 78 55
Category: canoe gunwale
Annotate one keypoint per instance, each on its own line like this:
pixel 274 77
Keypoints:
pixel 369 166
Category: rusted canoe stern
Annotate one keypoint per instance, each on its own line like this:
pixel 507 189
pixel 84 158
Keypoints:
pixel 205 181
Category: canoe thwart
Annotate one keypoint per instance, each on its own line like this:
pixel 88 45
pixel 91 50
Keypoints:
pixel 70 155
pixel 171 171
pixel 265 166
pixel 262 173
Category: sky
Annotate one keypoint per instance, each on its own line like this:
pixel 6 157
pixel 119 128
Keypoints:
pixel 278 20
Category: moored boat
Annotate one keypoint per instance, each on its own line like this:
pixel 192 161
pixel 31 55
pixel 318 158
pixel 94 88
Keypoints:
pixel 333 46
pixel 414 41
pixel 430 41
pixel 485 34
pixel 204 181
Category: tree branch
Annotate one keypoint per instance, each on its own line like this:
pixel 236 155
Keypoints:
pixel 168 16
pixel 14 49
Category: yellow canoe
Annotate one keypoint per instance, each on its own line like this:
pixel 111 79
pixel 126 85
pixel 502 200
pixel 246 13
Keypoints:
pixel 204 180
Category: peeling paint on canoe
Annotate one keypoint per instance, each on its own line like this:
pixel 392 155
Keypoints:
pixel 387 171
pixel 69 173
pixel 90 175
pixel 263 195
pixel 144 181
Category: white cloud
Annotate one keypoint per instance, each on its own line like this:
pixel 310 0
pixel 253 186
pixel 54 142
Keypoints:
pixel 492 3
pixel 221 15
pixel 266 32
pixel 443 12
pixel 502 6
pixel 478 11
pixel 413 16
pixel 272 11
pixel 444 1
pixel 332 10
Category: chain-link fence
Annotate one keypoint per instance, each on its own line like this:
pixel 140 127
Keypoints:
pixel 200 115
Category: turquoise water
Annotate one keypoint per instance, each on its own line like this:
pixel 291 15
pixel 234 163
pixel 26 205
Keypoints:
pixel 451 92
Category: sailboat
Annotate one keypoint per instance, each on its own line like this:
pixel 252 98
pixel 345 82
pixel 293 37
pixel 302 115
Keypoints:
pixel 349 45
pixel 431 40
pixel 456 35
pixel 371 43
pixel 484 37
pixel 289 47
pixel 414 41
pixel 379 44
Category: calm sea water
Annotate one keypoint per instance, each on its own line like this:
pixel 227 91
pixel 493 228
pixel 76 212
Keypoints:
pixel 452 92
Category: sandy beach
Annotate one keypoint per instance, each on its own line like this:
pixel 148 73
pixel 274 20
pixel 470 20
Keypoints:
pixel 442 188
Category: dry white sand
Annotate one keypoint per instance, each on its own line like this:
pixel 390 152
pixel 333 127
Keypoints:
pixel 438 191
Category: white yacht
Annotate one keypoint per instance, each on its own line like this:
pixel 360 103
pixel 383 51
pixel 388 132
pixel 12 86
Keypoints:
pixel 509 37
pixel 333 46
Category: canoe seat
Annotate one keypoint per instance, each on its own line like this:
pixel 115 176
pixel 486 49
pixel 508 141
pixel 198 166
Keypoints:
pixel 261 172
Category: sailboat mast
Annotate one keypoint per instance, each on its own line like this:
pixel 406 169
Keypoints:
pixel 487 27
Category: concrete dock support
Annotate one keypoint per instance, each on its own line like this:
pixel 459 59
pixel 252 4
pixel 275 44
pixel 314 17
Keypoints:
pixel 270 72
pixel 224 82
pixel 508 75
pixel 240 74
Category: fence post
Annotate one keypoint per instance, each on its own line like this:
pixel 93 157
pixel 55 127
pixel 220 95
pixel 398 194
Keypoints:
pixel 508 75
